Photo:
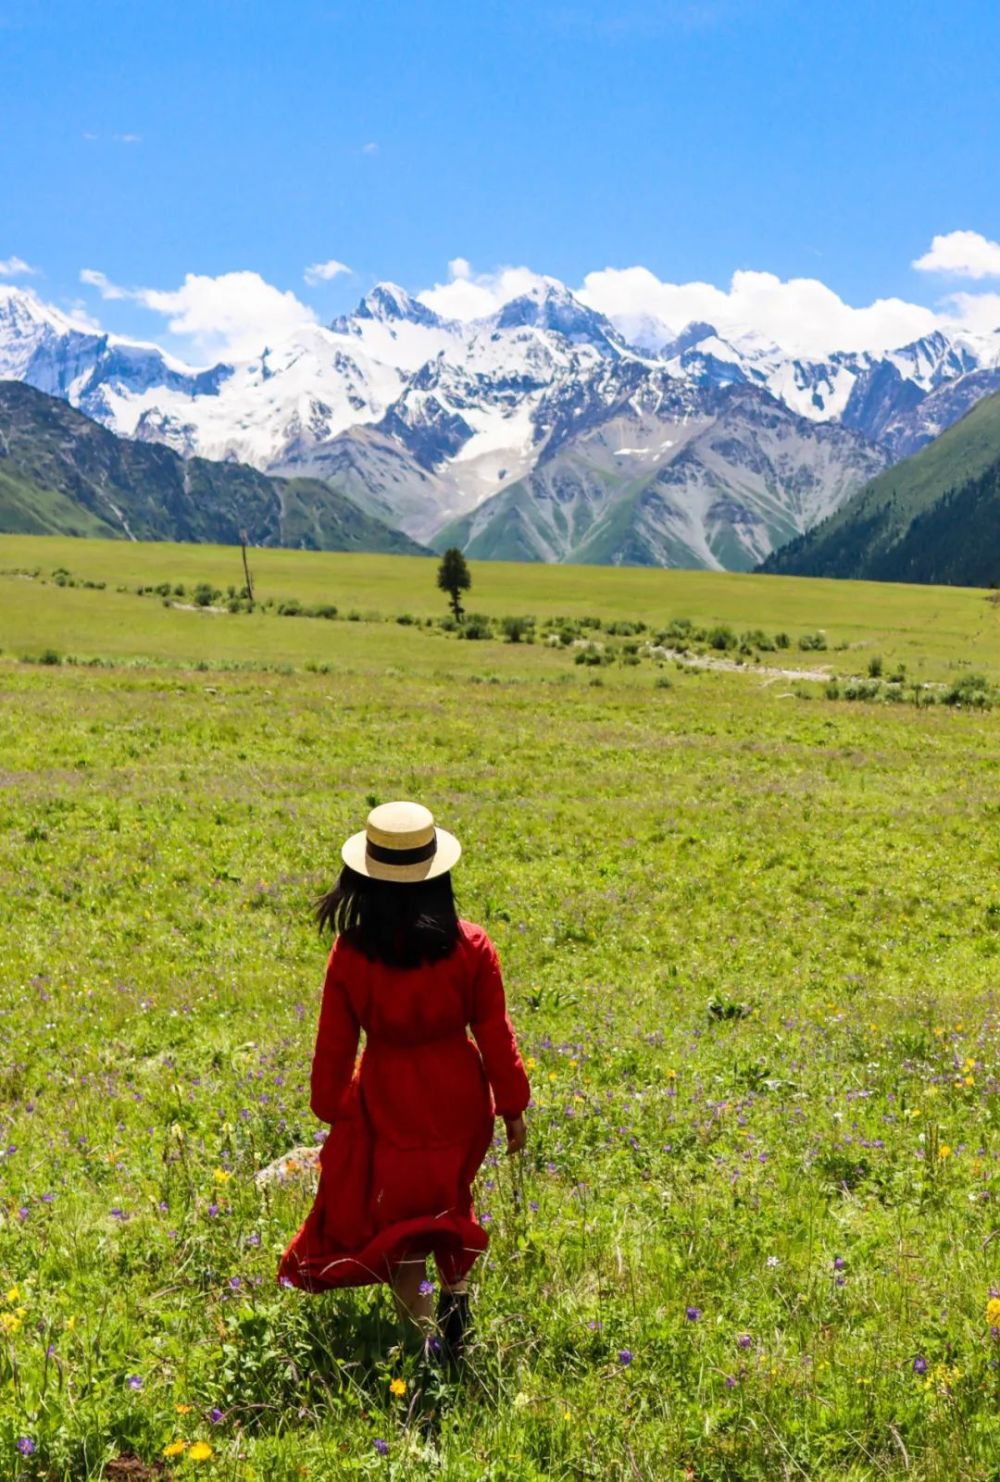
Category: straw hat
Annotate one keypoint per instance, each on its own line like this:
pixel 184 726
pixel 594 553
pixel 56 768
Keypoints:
pixel 399 842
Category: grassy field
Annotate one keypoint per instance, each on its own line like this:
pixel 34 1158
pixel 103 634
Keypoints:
pixel 751 937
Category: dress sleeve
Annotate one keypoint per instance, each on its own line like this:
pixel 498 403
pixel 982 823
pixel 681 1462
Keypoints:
pixel 494 1034
pixel 336 1047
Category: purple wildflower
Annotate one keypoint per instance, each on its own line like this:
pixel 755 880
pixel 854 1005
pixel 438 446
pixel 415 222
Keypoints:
pixel 26 1446
pixel 382 1447
pixel 212 1210
pixel 730 1382
pixel 692 1314
pixel 426 1288
pixel 920 1364
pixel 215 1414
pixel 235 1283
pixel 839 1263
pixel 744 1340
pixel 253 1239
pixel 625 1357
pixel 22 1213
pixel 134 1381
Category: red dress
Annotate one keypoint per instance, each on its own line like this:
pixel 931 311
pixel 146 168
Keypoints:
pixel 413 1121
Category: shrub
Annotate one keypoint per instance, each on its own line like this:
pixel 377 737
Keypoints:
pixel 291 607
pixel 663 682
pixel 204 595
pixel 832 691
pixel 875 666
pixel 518 629
pixel 406 620
pixel 476 626
pixel 50 656
pixel 813 642
pixel 971 691
pixel 721 638
pixel 782 640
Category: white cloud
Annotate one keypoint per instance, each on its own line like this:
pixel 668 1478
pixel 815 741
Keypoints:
pixel 801 315
pixel 469 295
pixel 322 272
pixel 16 267
pixel 370 148
pixel 93 279
pixel 127 138
pixel 975 311
pixel 962 254
pixel 234 315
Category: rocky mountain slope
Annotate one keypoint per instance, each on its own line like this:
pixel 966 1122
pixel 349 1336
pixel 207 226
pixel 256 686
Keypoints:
pixel 62 473
pixel 933 518
pixel 541 414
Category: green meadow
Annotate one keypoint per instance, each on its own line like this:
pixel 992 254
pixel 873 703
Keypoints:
pixel 750 928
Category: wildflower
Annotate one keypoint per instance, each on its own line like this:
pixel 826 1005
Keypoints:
pixel 182 1409
pixel 14 1294
pixel 625 1357
pixel 222 1175
pixel 175 1448
pixel 692 1314
pixel 235 1283
pixel 26 1446
pixel 397 1387
pixel 944 1151
pixel 773 1261
pixel 215 1414
pixel 920 1365
pixel 730 1382
pixel 382 1447
pixel 212 1211
pixel 134 1381
pixel 744 1340
pixel 200 1451
pixel 426 1288
pixel 839 1263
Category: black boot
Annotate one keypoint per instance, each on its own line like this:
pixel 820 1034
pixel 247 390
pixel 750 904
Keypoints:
pixel 453 1324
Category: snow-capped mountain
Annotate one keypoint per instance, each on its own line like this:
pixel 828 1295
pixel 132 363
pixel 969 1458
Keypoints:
pixel 426 421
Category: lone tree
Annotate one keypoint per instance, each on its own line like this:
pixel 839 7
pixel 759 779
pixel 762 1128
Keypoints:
pixel 454 578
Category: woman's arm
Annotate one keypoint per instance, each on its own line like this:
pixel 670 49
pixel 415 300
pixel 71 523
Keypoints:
pixel 336 1047
pixel 494 1034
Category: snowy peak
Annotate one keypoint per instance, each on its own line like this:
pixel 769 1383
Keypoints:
pixel 390 304
pixel 552 307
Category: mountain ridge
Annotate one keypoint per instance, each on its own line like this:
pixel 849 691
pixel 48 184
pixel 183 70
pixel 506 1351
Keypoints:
pixel 428 418
pixel 63 473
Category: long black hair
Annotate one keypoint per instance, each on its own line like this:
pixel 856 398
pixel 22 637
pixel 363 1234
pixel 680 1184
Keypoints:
pixel 399 925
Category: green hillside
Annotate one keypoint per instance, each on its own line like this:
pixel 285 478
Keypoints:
pixel 63 474
pixel 933 518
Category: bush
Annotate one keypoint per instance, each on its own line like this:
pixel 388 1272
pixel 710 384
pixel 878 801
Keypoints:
pixel 476 626
pixel 875 666
pixel 832 691
pixel 50 656
pixel 518 629
pixel 813 642
pixel 782 640
pixel 406 620
pixel 205 595
pixel 663 682
pixel 971 691
pixel 757 638
pixel 721 638
pixel 292 607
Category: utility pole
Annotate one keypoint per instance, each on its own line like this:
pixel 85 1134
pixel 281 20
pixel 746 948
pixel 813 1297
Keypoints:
pixel 246 565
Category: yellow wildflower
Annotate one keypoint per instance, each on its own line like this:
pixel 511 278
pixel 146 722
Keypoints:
pixel 993 1312
pixel 222 1176
pixel 398 1387
pixel 182 1409
pixel 71 1322
pixel 175 1448
pixel 530 1063
pixel 200 1451
pixel 14 1294
pixel 944 1151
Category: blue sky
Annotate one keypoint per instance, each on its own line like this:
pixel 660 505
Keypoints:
pixel 147 141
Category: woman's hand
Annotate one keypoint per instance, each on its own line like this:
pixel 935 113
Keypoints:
pixel 517 1134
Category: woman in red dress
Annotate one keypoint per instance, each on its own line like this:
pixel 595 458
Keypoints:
pixel 413 1120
